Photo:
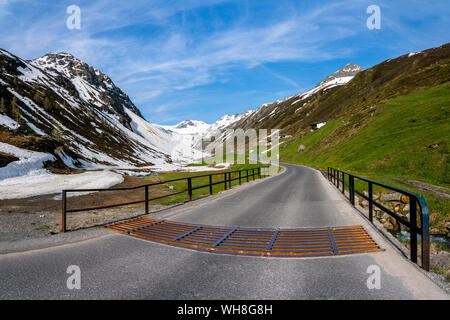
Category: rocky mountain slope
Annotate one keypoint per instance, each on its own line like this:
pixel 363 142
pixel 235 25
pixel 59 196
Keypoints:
pixel 273 115
pixel 61 106
pixel 349 91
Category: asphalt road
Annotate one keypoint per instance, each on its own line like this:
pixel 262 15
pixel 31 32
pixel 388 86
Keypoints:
pixel 115 266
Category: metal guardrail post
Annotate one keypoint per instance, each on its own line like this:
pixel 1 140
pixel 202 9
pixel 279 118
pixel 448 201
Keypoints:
pixel 146 200
pixel 352 189
pixel 210 184
pixel 64 213
pixel 343 182
pixel 229 180
pixel 225 181
pixel 190 188
pixel 240 182
pixel 247 175
pixel 413 229
pixel 414 199
pixel 259 172
pixel 370 202
pixel 425 228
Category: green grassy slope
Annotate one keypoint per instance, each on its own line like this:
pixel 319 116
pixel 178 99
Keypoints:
pixel 406 137
pixel 389 79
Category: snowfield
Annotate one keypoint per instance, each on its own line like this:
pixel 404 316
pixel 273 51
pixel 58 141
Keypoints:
pixel 30 162
pixel 44 183
pixel 26 177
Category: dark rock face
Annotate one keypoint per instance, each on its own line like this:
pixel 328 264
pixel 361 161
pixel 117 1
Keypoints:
pixel 6 158
pixel 65 107
pixel 69 67
pixel 185 124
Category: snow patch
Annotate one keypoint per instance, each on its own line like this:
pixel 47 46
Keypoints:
pixel 43 183
pixel 8 122
pixel 29 163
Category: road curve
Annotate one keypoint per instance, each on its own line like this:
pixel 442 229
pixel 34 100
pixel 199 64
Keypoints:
pixel 115 266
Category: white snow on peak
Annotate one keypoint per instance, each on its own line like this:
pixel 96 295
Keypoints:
pixel 189 127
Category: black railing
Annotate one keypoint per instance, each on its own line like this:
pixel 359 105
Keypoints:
pixel 338 178
pixel 250 175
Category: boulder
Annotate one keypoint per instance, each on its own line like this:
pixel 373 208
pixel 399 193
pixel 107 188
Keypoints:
pixel 395 196
pixel 301 148
pixel 365 203
pixel 435 231
pixel 406 208
pixel 385 216
pixel 379 214
pixel 404 199
pixel 388 226
pixel 393 221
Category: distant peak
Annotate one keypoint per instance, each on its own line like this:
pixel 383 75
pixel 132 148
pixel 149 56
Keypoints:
pixel 57 56
pixel 349 70
pixel 190 123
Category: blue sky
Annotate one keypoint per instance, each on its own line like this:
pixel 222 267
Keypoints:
pixel 193 59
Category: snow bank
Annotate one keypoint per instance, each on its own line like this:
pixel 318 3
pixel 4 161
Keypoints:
pixel 135 173
pixel 320 125
pixel 30 162
pixel 42 183
pixel 205 168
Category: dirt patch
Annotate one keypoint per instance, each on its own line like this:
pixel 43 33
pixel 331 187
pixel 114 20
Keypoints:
pixel 436 190
pixel 40 216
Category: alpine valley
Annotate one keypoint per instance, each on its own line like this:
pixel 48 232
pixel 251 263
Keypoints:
pixel 59 115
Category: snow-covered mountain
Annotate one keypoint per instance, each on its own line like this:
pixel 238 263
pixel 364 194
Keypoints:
pixel 61 106
pixel 264 115
pixel 275 115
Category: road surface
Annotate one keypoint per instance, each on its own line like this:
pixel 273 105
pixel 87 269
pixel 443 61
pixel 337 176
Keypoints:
pixel 115 266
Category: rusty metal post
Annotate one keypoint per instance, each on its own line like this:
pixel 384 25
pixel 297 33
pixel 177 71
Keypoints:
pixel 190 188
pixel 225 181
pixel 210 184
pixel 64 209
pixel 352 189
pixel 146 200
pixel 370 202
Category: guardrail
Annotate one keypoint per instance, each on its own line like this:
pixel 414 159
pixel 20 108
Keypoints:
pixel 338 178
pixel 250 175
